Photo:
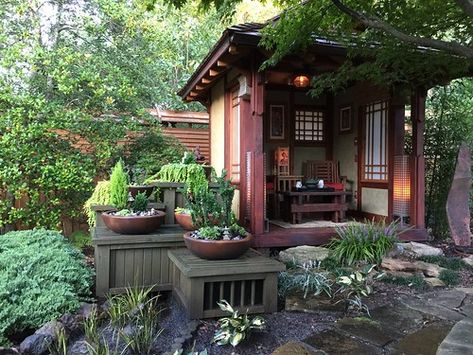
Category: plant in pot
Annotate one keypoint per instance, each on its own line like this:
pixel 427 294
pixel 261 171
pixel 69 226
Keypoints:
pixel 132 215
pixel 138 184
pixel 218 235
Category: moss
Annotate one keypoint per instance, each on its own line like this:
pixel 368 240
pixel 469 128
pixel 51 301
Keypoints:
pixel 449 277
pixel 415 281
pixel 446 262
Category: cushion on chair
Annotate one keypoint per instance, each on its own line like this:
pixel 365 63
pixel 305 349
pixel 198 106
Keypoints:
pixel 338 186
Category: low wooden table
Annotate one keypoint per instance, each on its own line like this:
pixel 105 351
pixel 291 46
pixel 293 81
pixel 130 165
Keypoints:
pixel 301 202
pixel 247 283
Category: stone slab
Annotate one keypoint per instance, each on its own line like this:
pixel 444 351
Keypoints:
pixel 336 342
pixel 303 255
pixel 459 340
pixel 432 309
pixel 367 329
pixel 422 341
pixel 297 348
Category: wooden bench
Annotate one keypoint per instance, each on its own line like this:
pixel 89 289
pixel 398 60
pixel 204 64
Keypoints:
pixel 248 283
pixel 299 202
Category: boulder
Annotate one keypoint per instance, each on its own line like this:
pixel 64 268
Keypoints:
pixel 430 270
pixel 458 211
pixel 8 351
pixel 434 282
pixel 36 344
pixel 297 348
pixel 78 348
pixel 303 255
pixel 420 249
pixel 469 260
pixel 51 328
pixel 86 310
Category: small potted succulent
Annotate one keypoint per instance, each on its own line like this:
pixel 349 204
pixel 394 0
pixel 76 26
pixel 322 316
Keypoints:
pixel 218 235
pixel 132 215
pixel 138 178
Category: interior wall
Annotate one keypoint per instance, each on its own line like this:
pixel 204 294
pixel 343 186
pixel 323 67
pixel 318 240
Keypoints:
pixel 299 153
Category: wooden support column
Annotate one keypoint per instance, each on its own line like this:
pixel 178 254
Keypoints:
pixel 395 141
pixel 255 133
pixel 417 155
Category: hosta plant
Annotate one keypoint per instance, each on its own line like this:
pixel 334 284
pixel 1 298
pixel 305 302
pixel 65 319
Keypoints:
pixel 237 327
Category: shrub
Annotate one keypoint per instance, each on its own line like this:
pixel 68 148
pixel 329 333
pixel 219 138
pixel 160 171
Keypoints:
pixel 42 276
pixel 100 196
pixel 119 186
pixel 367 242
pixel 449 277
pixel 140 203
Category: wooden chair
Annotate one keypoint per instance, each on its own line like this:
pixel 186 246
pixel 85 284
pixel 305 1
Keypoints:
pixel 327 170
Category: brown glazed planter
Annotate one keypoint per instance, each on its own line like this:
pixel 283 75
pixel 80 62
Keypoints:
pixel 217 249
pixel 134 190
pixel 184 220
pixel 133 224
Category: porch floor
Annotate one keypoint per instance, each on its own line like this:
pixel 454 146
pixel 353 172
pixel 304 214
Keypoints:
pixel 315 233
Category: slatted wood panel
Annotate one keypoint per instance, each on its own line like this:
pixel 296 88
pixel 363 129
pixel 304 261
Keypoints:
pixel 192 137
pixel 247 283
pixel 138 261
pixel 322 169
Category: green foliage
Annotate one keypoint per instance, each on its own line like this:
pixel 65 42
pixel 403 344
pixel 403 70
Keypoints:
pixel 140 203
pixel 308 281
pixel 191 174
pixel 211 233
pixel 226 191
pixel 43 276
pixel 391 60
pixel 119 186
pixel 100 196
pixel 449 277
pixel 122 306
pixel 236 229
pixel 148 153
pixel 91 327
pixel 449 119
pixel 368 242
pixel 59 345
pixel 415 281
pixel 80 240
pixel 235 328
pixel 451 263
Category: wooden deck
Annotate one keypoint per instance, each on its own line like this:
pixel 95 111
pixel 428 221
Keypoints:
pixel 288 237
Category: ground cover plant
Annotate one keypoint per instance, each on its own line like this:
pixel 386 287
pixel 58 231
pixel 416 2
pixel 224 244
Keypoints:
pixel 368 242
pixel 42 277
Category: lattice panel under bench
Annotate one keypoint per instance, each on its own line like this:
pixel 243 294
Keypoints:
pixel 247 283
pixel 134 260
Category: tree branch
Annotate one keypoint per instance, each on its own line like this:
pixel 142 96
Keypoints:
pixel 377 23
pixel 466 6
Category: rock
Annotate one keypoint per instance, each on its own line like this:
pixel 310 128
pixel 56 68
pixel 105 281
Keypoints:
pixel 86 310
pixel 71 323
pixel 434 282
pixel 458 211
pixel 51 329
pixel 312 304
pixel 8 351
pixel 303 254
pixel 36 344
pixel 427 269
pixel 420 249
pixel 78 348
pixel 297 348
pixel 469 260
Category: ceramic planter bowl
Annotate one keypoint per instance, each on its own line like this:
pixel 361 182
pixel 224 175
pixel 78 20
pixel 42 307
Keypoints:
pixel 218 249
pixel 133 224
pixel 184 220
pixel 134 190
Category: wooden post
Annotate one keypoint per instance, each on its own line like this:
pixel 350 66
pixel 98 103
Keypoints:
pixel 418 164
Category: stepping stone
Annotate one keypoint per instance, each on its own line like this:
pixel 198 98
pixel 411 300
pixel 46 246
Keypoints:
pixel 469 260
pixel 335 342
pixel 311 304
pixel 459 340
pixel 398 318
pixel 452 299
pixel 297 348
pixel 423 341
pixel 432 309
pixel 364 328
